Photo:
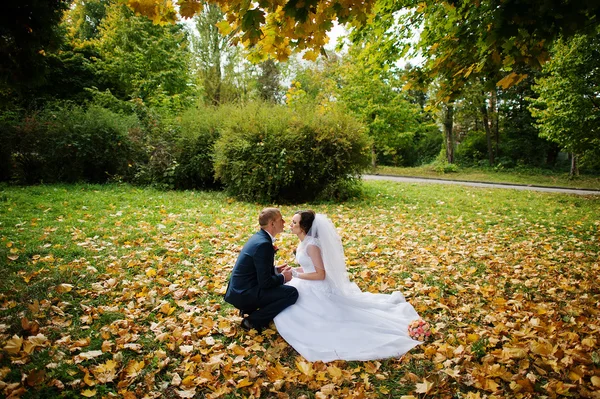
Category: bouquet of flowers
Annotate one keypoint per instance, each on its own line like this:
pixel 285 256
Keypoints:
pixel 419 330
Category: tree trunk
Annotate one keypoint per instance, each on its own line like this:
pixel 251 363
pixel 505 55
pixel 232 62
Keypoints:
pixel 574 168
pixel 552 154
pixel 494 120
pixel 373 157
pixel 488 133
pixel 448 133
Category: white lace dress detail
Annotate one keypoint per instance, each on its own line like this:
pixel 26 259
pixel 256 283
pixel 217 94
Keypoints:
pixel 325 324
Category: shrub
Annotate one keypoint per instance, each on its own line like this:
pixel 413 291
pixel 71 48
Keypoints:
pixel 199 130
pixel 70 143
pixel 472 148
pixel 271 153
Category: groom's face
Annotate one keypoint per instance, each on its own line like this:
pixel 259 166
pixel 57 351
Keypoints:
pixel 278 224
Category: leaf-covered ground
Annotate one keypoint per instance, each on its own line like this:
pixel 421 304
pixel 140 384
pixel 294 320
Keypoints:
pixel 114 291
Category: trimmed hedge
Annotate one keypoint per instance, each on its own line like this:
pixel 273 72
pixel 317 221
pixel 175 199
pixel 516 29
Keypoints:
pixel 270 153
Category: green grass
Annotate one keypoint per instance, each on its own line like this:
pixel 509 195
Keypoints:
pixel 536 177
pixel 494 271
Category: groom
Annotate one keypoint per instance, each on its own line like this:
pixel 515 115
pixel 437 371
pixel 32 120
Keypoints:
pixel 254 287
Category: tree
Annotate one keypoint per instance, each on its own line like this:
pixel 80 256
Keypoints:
pixel 567 108
pixel 28 31
pixel 269 26
pixel 84 19
pixel 213 52
pixel 269 87
pixel 484 39
pixel 138 59
pixel 375 95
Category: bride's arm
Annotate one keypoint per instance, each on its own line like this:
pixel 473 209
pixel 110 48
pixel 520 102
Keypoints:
pixel 315 255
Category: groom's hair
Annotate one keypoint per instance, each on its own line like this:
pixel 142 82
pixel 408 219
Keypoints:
pixel 266 215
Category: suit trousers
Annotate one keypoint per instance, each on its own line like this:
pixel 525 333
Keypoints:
pixel 270 303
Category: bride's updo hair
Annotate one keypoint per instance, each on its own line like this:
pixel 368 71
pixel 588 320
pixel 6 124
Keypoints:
pixel 306 220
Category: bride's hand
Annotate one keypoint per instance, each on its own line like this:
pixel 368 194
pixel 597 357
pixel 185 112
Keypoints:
pixel 281 268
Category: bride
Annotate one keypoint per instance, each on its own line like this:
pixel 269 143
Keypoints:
pixel 332 318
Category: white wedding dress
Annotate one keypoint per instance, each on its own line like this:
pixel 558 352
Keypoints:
pixel 332 321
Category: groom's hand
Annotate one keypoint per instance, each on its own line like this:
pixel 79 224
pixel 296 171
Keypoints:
pixel 280 269
pixel 287 274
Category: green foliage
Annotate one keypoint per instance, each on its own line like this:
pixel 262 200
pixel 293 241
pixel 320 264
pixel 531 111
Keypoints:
pixel 484 39
pixel 69 143
pixel 567 108
pixel 375 96
pixel 28 29
pixel 271 153
pixel 521 142
pixel 472 149
pixel 200 129
pixel 441 165
pixel 427 144
pixel 138 59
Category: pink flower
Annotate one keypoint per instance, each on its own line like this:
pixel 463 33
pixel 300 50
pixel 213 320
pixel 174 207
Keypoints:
pixel 419 330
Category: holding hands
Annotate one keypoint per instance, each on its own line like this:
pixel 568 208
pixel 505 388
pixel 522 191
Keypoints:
pixel 285 270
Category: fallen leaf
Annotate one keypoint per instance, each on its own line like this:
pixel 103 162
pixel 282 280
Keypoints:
pixel 13 345
pixel 424 387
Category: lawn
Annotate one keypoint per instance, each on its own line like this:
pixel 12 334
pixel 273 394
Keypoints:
pixel 523 176
pixel 116 291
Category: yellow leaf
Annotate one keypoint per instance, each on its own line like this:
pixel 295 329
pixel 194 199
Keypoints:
pixel 542 348
pixel 275 373
pixel 134 368
pixel 150 272
pixel 510 80
pixel 573 376
pixel 224 28
pixel 188 381
pixel 244 383
pixel 311 55
pixel 167 309
pixel 334 372
pixel 88 393
pixel 105 372
pixel 62 288
pixel 424 387
pixel 596 381
pixel 13 345
pixel 88 379
pixel 305 368
pixel 490 385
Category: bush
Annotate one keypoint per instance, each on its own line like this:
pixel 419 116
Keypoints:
pixel 69 143
pixel 472 148
pixel 271 153
pixel 199 130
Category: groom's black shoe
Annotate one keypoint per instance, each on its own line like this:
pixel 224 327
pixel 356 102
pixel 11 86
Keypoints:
pixel 246 325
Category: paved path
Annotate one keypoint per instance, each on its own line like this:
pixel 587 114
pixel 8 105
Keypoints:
pixel 486 185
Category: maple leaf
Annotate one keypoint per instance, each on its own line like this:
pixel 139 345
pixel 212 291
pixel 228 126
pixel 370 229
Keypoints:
pixel 134 368
pixel 188 8
pixel 105 372
pixel 62 288
pixel 305 368
pixel 88 393
pixel 188 393
pixel 13 345
pixel 424 387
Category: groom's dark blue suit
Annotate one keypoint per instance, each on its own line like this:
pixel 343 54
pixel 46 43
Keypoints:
pixel 254 287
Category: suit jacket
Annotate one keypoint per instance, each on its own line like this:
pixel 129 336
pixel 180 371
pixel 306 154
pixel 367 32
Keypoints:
pixel 253 271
